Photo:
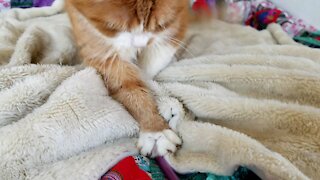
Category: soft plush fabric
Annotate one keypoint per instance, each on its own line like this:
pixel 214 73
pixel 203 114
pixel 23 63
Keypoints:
pixel 237 97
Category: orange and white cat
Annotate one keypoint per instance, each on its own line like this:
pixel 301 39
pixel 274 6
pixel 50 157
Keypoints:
pixel 127 41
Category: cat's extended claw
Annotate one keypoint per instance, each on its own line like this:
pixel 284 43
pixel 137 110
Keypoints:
pixel 155 144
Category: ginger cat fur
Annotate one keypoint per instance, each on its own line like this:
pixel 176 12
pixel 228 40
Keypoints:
pixel 128 41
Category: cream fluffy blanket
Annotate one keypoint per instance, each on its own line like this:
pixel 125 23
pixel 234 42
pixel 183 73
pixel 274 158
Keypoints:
pixel 237 97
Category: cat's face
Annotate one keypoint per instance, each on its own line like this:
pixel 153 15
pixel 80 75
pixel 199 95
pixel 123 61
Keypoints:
pixel 136 23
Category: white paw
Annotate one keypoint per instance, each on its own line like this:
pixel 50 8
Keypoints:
pixel 171 110
pixel 155 144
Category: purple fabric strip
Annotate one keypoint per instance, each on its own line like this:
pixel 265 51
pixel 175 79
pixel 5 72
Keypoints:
pixel 166 169
pixel 41 3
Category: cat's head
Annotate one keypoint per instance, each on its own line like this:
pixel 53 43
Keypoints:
pixel 136 23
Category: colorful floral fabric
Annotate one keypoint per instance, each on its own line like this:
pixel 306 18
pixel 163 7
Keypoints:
pixel 203 5
pixel 311 39
pixel 21 3
pixel 260 13
pixel 241 174
pixel 150 166
pixel 4 5
pixel 126 169
pixel 135 167
pixel 143 168
pixel 7 4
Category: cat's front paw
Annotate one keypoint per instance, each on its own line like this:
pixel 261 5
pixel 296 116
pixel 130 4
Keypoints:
pixel 155 144
pixel 171 110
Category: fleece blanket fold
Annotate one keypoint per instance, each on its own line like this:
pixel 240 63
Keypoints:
pixel 236 96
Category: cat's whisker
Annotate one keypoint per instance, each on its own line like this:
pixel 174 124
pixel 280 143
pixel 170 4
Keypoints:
pixel 181 42
pixel 181 46
pixel 187 49
pixel 178 41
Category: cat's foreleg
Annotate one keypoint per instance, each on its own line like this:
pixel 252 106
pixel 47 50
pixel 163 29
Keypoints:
pixel 125 85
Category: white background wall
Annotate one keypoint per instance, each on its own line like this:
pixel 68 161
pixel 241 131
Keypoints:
pixel 308 10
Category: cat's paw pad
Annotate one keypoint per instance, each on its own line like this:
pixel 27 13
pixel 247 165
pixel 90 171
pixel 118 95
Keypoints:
pixel 171 111
pixel 155 144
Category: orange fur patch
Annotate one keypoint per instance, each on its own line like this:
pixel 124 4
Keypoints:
pixel 95 20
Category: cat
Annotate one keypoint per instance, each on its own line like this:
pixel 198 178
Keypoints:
pixel 127 41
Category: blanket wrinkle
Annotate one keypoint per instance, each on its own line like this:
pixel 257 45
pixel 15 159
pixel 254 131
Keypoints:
pixel 253 111
pixel 288 85
pixel 220 145
pixel 282 62
pixel 281 36
pixel 37 91
pixel 236 96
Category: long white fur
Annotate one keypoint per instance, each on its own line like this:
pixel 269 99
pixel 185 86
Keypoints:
pixel 156 57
